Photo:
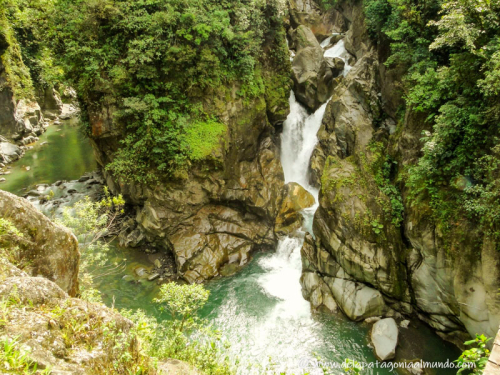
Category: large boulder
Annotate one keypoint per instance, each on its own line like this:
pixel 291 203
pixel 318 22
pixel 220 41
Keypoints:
pixel 295 198
pixel 50 102
pixel 9 152
pixel 322 24
pixel 312 74
pixel 356 300
pixel 384 337
pixel 51 250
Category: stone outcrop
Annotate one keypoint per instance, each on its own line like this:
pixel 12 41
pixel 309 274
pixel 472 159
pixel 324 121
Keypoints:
pixel 50 102
pixel 361 239
pixel 41 320
pixel 295 198
pixel 312 73
pixel 220 210
pixel 50 250
pixel 216 217
pixel 322 24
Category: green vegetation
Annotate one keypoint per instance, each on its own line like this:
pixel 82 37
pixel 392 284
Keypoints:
pixel 15 360
pixel 203 138
pixel 12 242
pixel 93 223
pixel 184 336
pixel 474 358
pixel 450 51
pixel 153 65
pixel 17 75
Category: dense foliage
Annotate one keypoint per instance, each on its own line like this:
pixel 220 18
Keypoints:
pixel 155 65
pixel 93 223
pixel 451 53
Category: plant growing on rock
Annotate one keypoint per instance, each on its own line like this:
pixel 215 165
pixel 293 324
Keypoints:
pixel 15 359
pixel 11 240
pixel 474 358
pixel 94 223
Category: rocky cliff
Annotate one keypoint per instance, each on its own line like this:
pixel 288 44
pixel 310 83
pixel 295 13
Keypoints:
pixel 46 249
pixel 44 326
pixel 224 206
pixel 25 108
pixel 374 252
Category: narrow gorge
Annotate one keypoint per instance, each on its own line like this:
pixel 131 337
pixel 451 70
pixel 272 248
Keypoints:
pixel 283 154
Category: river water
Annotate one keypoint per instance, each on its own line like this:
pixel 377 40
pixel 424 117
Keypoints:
pixel 260 310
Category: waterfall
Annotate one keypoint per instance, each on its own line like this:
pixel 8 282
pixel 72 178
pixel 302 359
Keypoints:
pixel 298 141
pixel 263 310
pixel 338 50
pixel 297 144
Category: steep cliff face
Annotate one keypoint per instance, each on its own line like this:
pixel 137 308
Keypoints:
pixel 374 251
pixel 22 106
pixel 223 207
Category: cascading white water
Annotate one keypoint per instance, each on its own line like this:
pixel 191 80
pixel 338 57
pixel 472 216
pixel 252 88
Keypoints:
pixel 338 50
pixel 298 141
pixel 271 335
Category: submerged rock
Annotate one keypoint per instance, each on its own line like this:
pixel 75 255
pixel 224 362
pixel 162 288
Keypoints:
pixel 154 276
pixel 384 337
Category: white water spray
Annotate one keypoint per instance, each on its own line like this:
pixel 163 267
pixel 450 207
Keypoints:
pixel 338 50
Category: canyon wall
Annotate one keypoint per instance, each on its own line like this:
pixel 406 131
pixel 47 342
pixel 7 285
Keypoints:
pixel 368 258
pixel 213 215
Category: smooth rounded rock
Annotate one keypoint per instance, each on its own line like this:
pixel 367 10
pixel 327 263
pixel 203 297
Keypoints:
pixel 384 337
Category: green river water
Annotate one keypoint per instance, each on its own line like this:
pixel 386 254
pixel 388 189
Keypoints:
pixel 259 310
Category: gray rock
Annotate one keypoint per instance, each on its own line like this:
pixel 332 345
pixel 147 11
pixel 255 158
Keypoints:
pixel 141 271
pixel 9 152
pixel 356 300
pixel 53 251
pixel 154 276
pixel 384 337
pixel 404 324
pixel 311 72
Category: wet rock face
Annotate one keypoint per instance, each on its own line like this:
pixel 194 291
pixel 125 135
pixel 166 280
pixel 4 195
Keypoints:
pixel 295 198
pixel 52 251
pixel 213 237
pixel 312 73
